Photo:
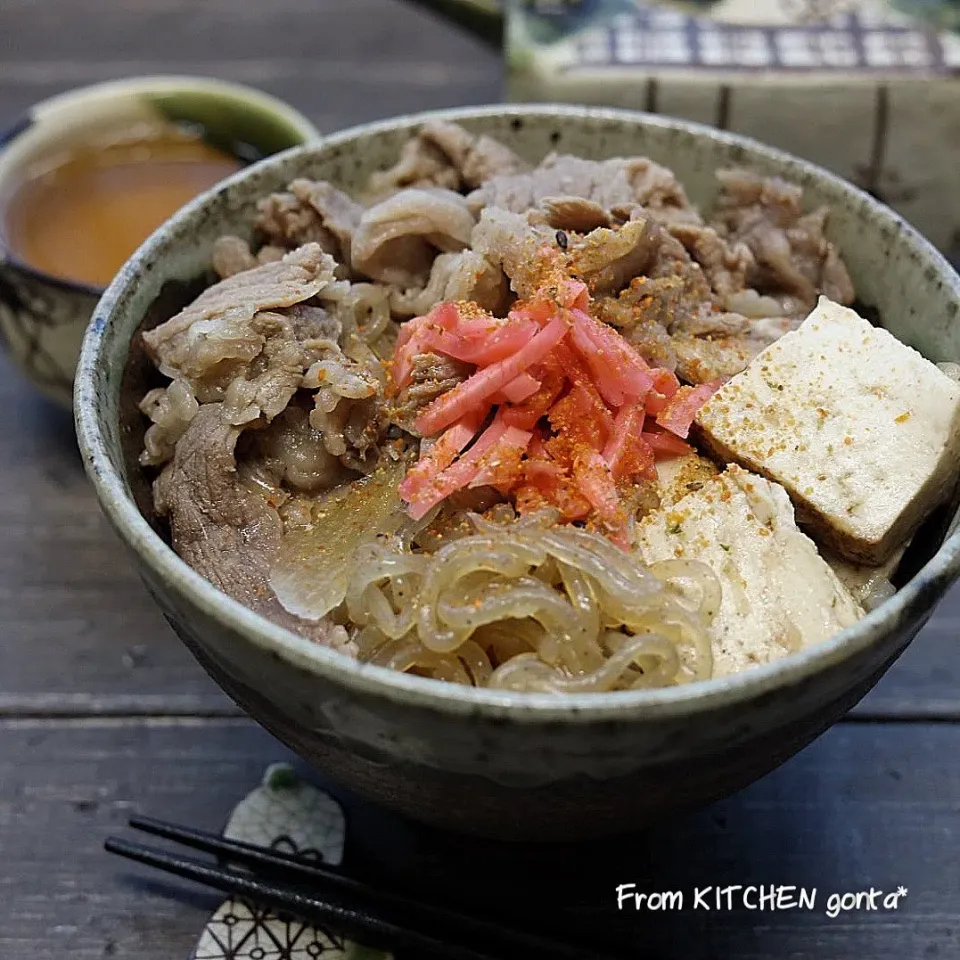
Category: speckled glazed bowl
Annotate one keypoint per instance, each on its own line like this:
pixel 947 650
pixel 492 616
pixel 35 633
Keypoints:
pixel 43 318
pixel 491 763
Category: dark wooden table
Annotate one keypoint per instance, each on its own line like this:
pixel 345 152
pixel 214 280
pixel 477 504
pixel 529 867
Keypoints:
pixel 103 713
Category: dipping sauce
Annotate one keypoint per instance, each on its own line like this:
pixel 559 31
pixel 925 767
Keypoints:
pixel 85 212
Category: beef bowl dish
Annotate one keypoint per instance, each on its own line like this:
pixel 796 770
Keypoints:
pixel 535 471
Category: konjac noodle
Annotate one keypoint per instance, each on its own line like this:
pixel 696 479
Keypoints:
pixel 531 605
pixel 541 428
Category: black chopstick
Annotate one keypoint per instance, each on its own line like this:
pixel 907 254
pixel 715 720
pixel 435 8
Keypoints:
pixel 287 868
pixel 370 912
pixel 355 923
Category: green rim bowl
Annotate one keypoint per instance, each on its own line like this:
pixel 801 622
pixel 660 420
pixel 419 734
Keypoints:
pixel 477 761
pixel 42 317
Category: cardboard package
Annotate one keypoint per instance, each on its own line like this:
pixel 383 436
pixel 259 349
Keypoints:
pixel 866 88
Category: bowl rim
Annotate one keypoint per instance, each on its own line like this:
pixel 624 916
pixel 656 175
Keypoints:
pixel 910 604
pixel 48 110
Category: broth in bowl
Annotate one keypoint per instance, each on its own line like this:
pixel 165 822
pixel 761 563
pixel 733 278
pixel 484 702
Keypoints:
pixel 79 214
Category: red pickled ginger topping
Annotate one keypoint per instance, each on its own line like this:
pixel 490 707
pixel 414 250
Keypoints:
pixel 573 413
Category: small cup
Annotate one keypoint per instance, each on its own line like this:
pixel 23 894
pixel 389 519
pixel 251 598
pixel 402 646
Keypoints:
pixel 43 317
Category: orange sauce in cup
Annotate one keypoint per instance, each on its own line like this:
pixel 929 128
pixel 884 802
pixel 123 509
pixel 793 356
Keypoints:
pixel 88 210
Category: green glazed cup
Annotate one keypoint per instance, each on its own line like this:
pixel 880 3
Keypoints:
pixel 43 318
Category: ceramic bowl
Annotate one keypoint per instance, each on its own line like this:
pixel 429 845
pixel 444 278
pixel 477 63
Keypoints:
pixel 43 318
pixel 483 762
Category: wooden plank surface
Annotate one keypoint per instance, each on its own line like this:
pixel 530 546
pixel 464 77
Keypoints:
pixel 340 61
pixel 838 817
pixel 103 712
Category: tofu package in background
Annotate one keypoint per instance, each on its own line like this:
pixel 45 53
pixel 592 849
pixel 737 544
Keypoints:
pixel 861 430
pixel 866 88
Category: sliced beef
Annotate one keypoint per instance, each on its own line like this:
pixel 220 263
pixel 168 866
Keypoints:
pixel 445 155
pixel 284 221
pixel 659 192
pixel 270 254
pixel 455 276
pixel 398 238
pixel 792 255
pixel 345 377
pixel 346 410
pixel 575 214
pixel 620 183
pixel 266 385
pixel 511 242
pixel 675 309
pixel 313 322
pixel 231 255
pixel 170 410
pixel 725 265
pixel 477 158
pixel 222 336
pixel 648 267
pixel 290 454
pixel 351 429
pixel 642 313
pixel 432 376
pixel 421 164
pixel 339 213
pixel 723 344
pixel 607 260
pixel 702 359
pixel 226 529
pixel 310 212
pixel 644 281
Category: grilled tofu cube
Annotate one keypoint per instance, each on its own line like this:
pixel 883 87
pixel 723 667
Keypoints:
pixel 777 594
pixel 862 431
pixel 678 476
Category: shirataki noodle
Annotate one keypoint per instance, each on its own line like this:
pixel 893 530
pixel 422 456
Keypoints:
pixel 528 605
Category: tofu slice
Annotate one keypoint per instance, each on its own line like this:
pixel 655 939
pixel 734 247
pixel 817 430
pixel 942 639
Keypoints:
pixel 678 476
pixel 778 594
pixel 862 431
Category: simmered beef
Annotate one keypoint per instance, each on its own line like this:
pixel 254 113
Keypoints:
pixel 616 183
pixel 235 344
pixel 310 212
pixel 792 254
pixel 467 275
pixel 216 339
pixel 398 238
pixel 231 255
pixel 433 375
pixel 446 155
pixel 225 529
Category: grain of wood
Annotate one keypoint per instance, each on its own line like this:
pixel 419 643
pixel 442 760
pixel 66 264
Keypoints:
pixel 103 712
pixel 342 63
pixel 361 33
pixel 865 805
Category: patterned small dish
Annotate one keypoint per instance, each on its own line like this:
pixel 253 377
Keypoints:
pixel 43 318
pixel 494 763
